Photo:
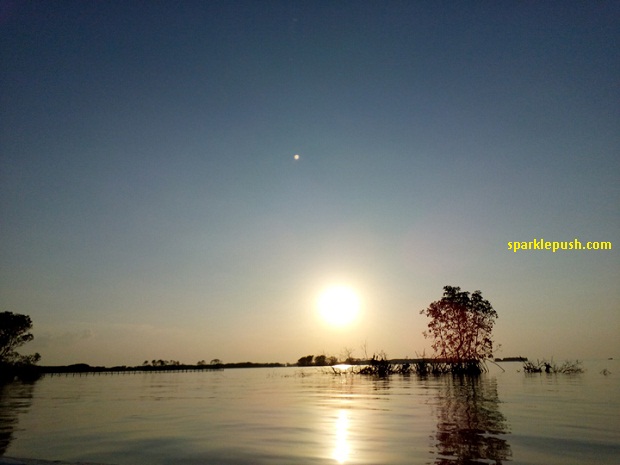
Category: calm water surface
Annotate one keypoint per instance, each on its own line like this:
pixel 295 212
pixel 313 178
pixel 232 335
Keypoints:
pixel 289 415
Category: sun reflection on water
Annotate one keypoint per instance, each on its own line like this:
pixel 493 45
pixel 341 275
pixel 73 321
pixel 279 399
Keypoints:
pixel 341 452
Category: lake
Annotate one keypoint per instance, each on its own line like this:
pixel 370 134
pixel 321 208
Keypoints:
pixel 309 416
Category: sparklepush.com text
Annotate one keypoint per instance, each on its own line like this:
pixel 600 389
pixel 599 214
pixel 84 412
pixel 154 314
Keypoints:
pixel 541 244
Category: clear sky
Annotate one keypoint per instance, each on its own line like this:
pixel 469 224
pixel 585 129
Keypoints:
pixel 151 206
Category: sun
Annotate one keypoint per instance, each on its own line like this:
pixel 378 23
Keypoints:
pixel 338 305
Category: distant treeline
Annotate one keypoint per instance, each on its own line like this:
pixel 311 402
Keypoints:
pixel 511 359
pixel 85 368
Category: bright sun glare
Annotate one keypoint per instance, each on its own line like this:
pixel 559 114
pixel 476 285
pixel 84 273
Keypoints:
pixel 338 305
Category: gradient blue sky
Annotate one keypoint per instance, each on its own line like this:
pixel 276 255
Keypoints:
pixel 151 206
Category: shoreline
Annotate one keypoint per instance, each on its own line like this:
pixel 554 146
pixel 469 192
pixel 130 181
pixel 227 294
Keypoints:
pixel 23 461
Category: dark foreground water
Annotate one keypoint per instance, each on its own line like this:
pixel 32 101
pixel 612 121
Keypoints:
pixel 294 416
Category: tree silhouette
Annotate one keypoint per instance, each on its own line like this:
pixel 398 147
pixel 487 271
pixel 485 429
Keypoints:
pixel 14 332
pixel 461 326
pixel 305 361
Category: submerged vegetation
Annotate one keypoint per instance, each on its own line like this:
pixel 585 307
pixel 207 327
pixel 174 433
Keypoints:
pixel 380 366
pixel 568 367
